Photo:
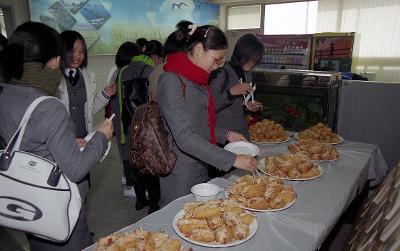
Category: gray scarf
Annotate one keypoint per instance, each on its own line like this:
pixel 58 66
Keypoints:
pixel 37 75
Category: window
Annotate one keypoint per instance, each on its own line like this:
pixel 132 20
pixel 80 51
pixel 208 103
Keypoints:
pixel 291 18
pixel 244 17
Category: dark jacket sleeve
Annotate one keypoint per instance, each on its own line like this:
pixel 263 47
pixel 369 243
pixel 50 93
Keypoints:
pixel 183 131
pixel 219 90
pixel 56 128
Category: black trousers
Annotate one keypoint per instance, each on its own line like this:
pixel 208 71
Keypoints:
pixel 141 183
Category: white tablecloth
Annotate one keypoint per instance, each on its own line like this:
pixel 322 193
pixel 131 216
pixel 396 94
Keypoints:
pixel 319 204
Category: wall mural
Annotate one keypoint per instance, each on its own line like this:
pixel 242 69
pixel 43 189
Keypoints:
pixel 106 24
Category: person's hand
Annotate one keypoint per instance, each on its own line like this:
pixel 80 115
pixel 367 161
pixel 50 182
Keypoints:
pixel 245 162
pixel 81 142
pixel 234 136
pixel 110 89
pixel 107 128
pixel 159 60
pixel 254 106
pixel 239 89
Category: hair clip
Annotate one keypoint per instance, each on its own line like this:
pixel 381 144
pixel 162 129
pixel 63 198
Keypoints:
pixel 205 35
pixel 192 28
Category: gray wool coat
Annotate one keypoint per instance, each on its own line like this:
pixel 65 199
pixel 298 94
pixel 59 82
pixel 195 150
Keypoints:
pixel 229 113
pixel 133 70
pixel 186 117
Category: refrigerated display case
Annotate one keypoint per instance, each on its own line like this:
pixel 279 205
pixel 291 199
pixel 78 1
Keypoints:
pixel 333 51
pixel 286 51
pixel 298 99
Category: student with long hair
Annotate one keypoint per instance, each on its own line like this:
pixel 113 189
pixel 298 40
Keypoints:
pixel 187 105
pixel 232 81
pixel 77 88
pixel 30 63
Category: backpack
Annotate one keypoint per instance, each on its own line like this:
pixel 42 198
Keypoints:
pixel 150 150
pixel 134 94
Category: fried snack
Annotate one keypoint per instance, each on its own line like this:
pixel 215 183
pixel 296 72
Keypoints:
pixel 202 235
pixel 259 203
pixel 215 222
pixel 138 239
pixel 267 131
pixel 293 166
pixel 172 245
pixel 208 213
pixel 320 133
pixel 315 150
pixel 253 191
pixel 247 218
pixel 219 228
pixel 186 226
pixel 270 186
pixel 240 231
pixel 223 235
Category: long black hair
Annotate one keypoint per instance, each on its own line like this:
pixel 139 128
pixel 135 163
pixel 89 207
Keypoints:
pixel 248 48
pixel 69 38
pixel 31 42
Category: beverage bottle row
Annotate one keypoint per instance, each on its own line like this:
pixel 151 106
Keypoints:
pixel 277 59
pixel 287 49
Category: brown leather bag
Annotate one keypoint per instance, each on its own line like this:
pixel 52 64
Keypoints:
pixel 150 150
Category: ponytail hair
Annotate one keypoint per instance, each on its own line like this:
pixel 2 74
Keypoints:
pixel 210 36
pixel 31 42
pixel 177 40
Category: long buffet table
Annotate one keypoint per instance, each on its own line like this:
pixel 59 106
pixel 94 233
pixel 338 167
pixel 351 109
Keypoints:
pixel 306 224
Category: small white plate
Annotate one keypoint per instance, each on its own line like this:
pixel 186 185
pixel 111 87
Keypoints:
pixel 340 139
pixel 252 231
pixel 206 191
pixel 243 147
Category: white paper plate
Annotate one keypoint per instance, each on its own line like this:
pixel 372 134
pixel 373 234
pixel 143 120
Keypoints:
pixel 340 139
pixel 269 142
pixel 242 147
pixel 252 231
pixel 261 167
pixel 88 137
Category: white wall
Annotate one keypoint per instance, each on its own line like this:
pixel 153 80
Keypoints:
pixel 101 66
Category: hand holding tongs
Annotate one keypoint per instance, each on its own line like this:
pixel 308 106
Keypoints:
pixel 250 95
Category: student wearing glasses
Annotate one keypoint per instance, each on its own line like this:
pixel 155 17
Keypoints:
pixel 187 105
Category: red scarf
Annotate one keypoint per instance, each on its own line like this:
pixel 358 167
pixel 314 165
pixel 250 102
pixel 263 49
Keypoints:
pixel 179 63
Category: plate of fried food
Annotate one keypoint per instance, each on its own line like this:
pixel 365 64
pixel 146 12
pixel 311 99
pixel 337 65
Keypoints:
pixel 320 133
pixel 139 239
pixel 217 223
pixel 315 150
pixel 261 193
pixel 290 167
pixel 268 132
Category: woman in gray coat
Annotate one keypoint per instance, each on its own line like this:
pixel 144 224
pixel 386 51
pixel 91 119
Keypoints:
pixel 30 64
pixel 187 105
pixel 232 81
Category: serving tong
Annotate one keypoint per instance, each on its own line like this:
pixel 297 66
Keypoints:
pixel 249 95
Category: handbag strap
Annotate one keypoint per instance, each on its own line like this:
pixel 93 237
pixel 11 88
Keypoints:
pixel 16 139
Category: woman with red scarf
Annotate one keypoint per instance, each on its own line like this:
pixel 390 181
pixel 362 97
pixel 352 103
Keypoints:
pixel 187 105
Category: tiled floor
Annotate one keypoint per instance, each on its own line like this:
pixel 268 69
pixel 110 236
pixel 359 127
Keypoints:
pixel 108 209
